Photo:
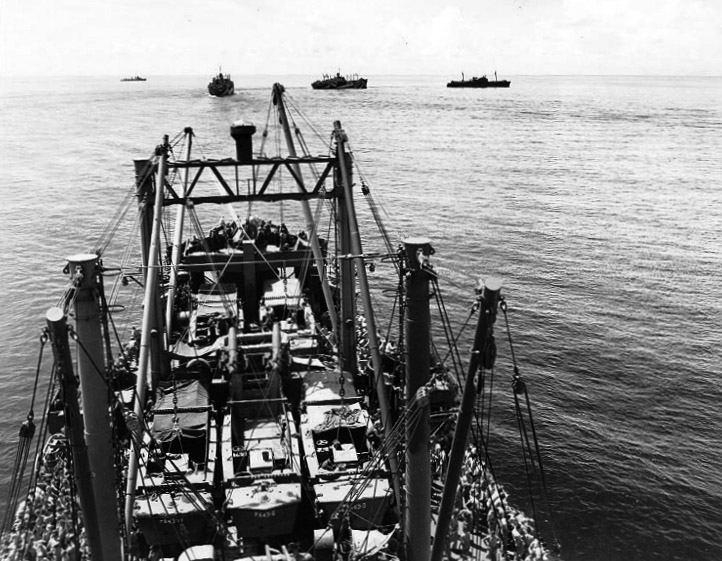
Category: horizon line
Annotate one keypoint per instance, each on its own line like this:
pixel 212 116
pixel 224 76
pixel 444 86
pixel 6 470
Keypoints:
pixel 384 74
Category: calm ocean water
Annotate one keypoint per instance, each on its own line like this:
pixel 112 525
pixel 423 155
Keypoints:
pixel 597 200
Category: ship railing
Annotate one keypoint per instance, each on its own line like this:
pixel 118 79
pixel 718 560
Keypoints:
pixel 170 485
pixel 256 348
pixel 173 482
pixel 187 409
pixel 377 473
pixel 244 479
pixel 335 401
pixel 260 400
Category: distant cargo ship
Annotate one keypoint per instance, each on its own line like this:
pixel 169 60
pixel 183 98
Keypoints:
pixel 475 82
pixel 339 82
pixel 133 79
pixel 221 85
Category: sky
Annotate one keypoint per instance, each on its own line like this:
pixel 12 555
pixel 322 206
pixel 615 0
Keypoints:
pixel 441 37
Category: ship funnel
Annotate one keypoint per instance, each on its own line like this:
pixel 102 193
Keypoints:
pixel 242 133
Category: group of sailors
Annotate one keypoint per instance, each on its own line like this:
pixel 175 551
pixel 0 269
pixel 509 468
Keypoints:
pixel 46 524
pixel 481 509
pixel 387 351
pixel 363 352
pixel 302 317
pixel 262 232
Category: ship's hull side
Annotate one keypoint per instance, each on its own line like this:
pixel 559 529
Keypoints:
pixel 334 84
pixel 478 84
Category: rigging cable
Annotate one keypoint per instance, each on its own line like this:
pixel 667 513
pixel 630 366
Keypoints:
pixel 114 224
pixel 446 325
pixel 27 431
pixel 109 233
pixel 374 206
pixel 264 134
pixel 125 258
pixel 497 510
pixel 319 207
pixel 519 388
pixel 474 308
pixel 291 102
pixel 193 215
pixel 24 527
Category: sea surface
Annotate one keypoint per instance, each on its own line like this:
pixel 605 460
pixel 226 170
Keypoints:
pixel 597 200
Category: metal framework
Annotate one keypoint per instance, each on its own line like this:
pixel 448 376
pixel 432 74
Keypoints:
pixel 258 190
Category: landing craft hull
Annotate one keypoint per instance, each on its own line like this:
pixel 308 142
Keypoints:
pixel 366 509
pixel 265 513
pixel 162 518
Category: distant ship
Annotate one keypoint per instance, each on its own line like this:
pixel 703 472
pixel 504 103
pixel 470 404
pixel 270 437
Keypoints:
pixel 339 82
pixel 221 85
pixel 133 79
pixel 475 82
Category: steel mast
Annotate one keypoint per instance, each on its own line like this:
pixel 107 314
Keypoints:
pixel 489 300
pixel 358 259
pixel 58 329
pixel 95 393
pixel 149 299
pixel 417 529
pixel 310 225
pixel 177 242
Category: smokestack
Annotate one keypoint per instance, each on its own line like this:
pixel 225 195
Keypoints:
pixel 242 133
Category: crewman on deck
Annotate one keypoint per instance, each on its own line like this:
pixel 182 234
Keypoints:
pixel 308 317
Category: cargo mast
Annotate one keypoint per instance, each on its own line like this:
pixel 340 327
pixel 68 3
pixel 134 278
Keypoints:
pixel 149 319
pixel 308 215
pixel 95 392
pixel 417 532
pixel 58 329
pixel 489 300
pixel 177 242
pixel 358 259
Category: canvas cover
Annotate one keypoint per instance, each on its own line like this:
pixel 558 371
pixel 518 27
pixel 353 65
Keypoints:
pixel 191 424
